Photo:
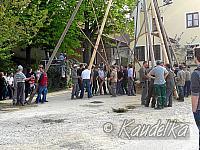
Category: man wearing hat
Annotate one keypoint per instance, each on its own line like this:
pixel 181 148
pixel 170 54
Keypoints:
pixel 159 74
pixel 75 88
pixel 19 80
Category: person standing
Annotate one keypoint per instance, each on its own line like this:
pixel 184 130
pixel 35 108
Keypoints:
pixel 10 86
pixel 159 74
pixel 101 79
pixel 86 77
pixel 42 88
pixel 29 74
pixel 170 85
pixel 180 82
pixel 95 81
pixel 79 72
pixel 2 86
pixel 125 80
pixel 75 88
pixel 113 80
pixel 144 82
pixel 120 81
pixel 20 79
pixel 131 91
pixel 187 82
pixel 195 90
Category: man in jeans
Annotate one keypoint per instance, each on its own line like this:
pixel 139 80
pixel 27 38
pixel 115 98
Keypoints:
pixel 86 76
pixel 159 74
pixel 42 89
pixel 131 90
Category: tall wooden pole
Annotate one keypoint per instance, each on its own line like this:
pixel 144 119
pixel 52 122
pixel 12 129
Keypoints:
pixel 100 34
pixel 166 60
pixel 162 31
pixel 63 35
pixel 150 45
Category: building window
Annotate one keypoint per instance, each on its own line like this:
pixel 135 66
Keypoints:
pixel 157 54
pixel 154 27
pixel 140 53
pixel 192 20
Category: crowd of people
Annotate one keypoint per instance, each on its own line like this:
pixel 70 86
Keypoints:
pixel 101 80
pixel 19 86
pixel 158 83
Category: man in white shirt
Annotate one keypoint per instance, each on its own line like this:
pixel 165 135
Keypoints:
pixel 10 81
pixel 86 75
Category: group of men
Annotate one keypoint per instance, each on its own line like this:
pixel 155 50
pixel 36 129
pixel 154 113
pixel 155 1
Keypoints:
pixel 19 86
pixel 160 83
pixel 103 79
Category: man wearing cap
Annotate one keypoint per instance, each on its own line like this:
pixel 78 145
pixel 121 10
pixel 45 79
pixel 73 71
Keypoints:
pixel 159 74
pixel 19 80
pixel 75 88
pixel 113 80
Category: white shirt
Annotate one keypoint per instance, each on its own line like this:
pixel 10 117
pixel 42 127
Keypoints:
pixel 101 74
pixel 86 74
pixel 10 80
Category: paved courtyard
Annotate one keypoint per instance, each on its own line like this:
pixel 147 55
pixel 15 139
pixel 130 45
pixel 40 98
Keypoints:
pixel 91 124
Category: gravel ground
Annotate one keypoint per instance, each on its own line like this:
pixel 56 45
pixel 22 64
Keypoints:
pixel 78 125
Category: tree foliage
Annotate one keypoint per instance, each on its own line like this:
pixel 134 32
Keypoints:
pixel 40 23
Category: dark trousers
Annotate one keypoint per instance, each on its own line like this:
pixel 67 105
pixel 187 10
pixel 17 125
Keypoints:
pixel 2 92
pixel 181 93
pixel 150 95
pixel 197 120
pixel 131 90
pixel 94 87
pixel 144 91
pixel 10 91
pixel 169 97
pixel 86 84
pixel 187 88
pixel 27 90
pixel 124 86
pixel 120 88
pixel 20 93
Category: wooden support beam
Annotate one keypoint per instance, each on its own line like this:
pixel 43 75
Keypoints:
pixel 100 33
pixel 164 34
pixel 166 60
pixel 149 38
pixel 63 35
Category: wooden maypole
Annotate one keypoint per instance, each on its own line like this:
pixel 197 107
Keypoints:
pixel 100 34
pixel 63 35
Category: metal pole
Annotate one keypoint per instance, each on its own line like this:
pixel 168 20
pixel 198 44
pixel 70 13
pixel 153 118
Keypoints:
pixel 63 35
pixel 100 34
